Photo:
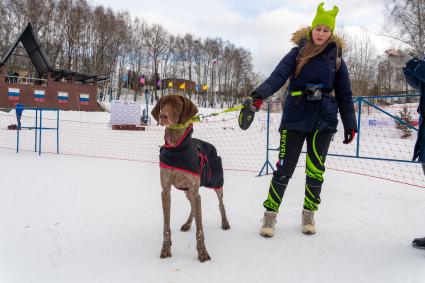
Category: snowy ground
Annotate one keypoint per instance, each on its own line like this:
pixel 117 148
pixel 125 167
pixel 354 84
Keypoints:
pixel 75 219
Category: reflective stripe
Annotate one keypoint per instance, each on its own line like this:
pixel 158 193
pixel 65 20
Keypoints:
pixel 308 190
pixel 314 148
pixel 312 171
pixel 296 93
pixel 270 203
pixel 310 204
pixel 274 191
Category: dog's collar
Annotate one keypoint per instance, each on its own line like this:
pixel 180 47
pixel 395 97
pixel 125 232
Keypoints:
pixel 196 118
pixel 188 131
pixel 180 126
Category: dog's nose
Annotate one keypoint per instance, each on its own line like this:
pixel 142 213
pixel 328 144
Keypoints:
pixel 163 116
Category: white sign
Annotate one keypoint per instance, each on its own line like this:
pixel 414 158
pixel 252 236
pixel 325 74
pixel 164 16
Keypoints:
pixel 381 122
pixel 125 113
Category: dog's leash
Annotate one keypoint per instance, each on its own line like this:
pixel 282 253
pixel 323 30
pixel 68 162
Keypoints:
pixel 201 117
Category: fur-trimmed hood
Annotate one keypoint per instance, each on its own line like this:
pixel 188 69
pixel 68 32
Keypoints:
pixel 304 33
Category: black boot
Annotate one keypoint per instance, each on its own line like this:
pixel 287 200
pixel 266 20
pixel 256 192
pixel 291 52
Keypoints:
pixel 419 243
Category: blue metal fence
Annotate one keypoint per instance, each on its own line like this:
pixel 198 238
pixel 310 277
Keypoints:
pixel 359 101
pixel 38 127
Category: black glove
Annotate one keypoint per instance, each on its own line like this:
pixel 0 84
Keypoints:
pixel 349 135
pixel 250 106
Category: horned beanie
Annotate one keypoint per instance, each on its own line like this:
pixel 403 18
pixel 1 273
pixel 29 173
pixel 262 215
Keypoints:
pixel 325 17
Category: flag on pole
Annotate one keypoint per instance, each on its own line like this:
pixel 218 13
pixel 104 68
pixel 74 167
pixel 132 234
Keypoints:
pixel 142 80
pixel 183 86
pixel 204 87
pixel 170 84
pixel 214 61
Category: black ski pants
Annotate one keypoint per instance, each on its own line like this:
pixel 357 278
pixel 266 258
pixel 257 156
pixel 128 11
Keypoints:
pixel 291 144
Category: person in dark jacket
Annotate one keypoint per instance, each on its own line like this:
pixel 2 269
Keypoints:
pixel 319 86
pixel 19 108
pixel 414 72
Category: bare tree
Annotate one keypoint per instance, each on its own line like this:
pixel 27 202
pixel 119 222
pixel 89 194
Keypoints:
pixel 360 58
pixel 406 23
pixel 80 37
pixel 156 43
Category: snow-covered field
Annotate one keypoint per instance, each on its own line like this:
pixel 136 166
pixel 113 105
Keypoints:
pixel 77 219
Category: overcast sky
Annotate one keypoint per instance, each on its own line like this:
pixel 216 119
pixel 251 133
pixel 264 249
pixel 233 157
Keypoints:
pixel 262 26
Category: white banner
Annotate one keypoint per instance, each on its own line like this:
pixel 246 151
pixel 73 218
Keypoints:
pixel 125 113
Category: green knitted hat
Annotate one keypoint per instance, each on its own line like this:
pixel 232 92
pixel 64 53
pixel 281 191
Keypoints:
pixel 325 17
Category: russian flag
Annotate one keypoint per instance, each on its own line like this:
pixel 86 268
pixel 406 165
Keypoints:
pixel 13 94
pixel 39 95
pixel 84 99
pixel 62 97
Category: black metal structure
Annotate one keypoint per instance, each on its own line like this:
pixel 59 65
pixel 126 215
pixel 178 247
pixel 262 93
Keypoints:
pixel 33 47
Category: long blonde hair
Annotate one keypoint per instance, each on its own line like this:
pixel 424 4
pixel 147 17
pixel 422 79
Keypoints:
pixel 309 51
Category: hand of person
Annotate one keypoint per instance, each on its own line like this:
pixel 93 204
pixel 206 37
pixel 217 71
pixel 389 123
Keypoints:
pixel 349 135
pixel 393 52
pixel 253 104
pixel 398 58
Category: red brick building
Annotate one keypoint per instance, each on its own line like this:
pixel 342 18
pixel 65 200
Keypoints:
pixel 54 88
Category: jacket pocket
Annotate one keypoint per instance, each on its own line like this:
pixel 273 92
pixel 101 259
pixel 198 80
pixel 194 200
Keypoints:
pixel 293 110
pixel 329 110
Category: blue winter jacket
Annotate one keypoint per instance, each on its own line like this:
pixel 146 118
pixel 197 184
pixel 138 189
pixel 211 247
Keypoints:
pixel 301 114
pixel 415 77
pixel 19 108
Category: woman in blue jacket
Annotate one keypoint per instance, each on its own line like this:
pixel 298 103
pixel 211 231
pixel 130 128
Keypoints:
pixel 414 71
pixel 319 86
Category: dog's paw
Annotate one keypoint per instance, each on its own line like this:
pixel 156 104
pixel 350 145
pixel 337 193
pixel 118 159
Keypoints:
pixel 185 227
pixel 202 252
pixel 225 225
pixel 165 251
pixel 203 255
pixel 165 254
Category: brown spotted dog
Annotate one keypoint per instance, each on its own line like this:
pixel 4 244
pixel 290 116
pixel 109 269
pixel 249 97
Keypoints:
pixel 183 164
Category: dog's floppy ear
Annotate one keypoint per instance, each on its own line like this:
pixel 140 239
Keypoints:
pixel 189 110
pixel 156 109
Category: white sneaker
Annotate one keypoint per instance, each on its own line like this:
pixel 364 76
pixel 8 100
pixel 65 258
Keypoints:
pixel 307 218
pixel 269 220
